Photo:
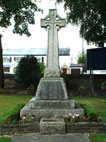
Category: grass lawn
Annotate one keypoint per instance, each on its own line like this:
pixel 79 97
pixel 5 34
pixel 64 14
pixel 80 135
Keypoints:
pixel 8 102
pixel 5 139
pixel 98 138
pixel 98 104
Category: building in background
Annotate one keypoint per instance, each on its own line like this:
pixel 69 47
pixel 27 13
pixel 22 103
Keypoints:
pixel 11 57
pixel 76 69
pixel 65 69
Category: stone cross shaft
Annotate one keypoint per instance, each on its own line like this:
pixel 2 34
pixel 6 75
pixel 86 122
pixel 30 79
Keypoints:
pixel 52 22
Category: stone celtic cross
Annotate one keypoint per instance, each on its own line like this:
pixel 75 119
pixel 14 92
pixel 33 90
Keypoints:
pixel 52 22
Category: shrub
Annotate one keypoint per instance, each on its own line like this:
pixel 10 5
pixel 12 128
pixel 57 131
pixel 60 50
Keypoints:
pixel 28 71
pixel 42 68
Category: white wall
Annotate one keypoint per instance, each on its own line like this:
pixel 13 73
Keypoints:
pixel 63 60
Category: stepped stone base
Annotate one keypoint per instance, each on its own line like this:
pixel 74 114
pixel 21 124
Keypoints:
pixel 51 104
pixel 51 101
pixel 50 109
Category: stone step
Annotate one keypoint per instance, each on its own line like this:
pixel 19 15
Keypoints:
pixel 49 104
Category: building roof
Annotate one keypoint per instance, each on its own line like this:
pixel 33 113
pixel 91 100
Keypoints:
pixel 33 51
pixel 76 65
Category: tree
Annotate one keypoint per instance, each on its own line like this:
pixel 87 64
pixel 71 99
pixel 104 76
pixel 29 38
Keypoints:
pixel 91 16
pixel 1 66
pixel 82 59
pixel 21 14
pixel 28 72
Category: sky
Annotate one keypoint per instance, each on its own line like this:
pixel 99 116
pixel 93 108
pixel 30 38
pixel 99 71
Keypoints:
pixel 68 36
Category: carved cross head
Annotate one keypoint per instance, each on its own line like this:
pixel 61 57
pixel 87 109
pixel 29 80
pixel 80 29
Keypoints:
pixel 53 19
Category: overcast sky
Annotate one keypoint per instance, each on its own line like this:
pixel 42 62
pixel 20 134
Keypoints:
pixel 68 36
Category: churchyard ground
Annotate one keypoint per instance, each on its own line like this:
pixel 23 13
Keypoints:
pixel 9 102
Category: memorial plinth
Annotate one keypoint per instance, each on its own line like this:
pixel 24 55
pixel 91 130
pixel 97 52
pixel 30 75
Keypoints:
pixel 51 99
pixel 51 89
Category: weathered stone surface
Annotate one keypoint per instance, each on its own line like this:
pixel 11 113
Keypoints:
pixel 49 113
pixel 36 138
pixel 52 138
pixel 70 138
pixel 85 127
pixel 72 127
pixel 51 89
pixel 51 97
pixel 50 22
pixel 18 128
pixel 52 73
pixel 52 126
pixel 51 104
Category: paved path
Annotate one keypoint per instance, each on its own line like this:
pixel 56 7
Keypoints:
pixel 51 138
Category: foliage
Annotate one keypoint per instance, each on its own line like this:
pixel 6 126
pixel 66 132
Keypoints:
pixel 28 71
pixel 78 118
pixel 42 68
pixel 98 137
pixel 82 59
pixel 97 104
pixel 9 102
pixel 14 114
pixel 21 14
pixel 91 16
pixel 90 115
pixel 5 139
pixel 20 11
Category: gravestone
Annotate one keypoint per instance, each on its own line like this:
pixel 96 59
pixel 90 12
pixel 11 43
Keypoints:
pixel 51 100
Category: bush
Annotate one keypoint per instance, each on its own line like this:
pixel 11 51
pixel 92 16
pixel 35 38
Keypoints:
pixel 42 68
pixel 28 72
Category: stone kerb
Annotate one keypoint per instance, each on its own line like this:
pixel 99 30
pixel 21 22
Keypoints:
pixel 74 127
pixel 86 127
